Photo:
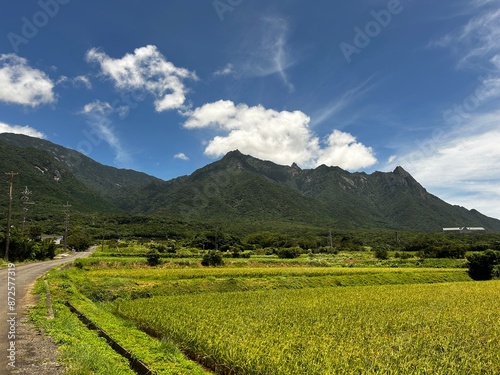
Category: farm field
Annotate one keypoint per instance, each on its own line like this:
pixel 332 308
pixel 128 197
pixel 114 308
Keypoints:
pixel 268 316
pixel 449 328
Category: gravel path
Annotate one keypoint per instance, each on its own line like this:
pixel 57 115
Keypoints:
pixel 33 352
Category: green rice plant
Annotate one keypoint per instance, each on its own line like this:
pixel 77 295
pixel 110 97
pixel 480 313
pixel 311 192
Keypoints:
pixel 446 328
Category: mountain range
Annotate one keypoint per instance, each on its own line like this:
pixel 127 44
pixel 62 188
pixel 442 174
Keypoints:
pixel 235 188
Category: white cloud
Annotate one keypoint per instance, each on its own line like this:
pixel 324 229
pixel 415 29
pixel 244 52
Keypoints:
pixel 146 70
pixel 225 71
pixel 21 84
pixel 98 114
pixel 181 156
pixel 463 166
pixel 98 107
pixel 477 40
pixel 282 137
pixel 463 163
pixel 18 129
pixel 82 81
pixel 77 81
pixel 341 102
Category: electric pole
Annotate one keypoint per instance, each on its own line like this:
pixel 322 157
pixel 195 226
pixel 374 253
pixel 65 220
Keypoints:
pixel 66 224
pixel 9 212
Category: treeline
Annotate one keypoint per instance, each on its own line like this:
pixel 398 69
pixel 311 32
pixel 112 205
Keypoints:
pixel 267 238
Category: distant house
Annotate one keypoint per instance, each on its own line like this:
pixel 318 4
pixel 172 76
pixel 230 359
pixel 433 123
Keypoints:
pixel 57 239
pixel 464 230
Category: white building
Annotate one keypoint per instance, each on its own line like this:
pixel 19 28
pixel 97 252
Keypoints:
pixel 464 230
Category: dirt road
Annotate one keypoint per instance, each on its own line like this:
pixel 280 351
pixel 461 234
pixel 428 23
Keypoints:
pixel 15 281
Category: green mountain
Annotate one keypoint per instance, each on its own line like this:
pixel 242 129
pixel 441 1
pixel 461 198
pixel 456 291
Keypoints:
pixel 236 189
pixel 120 188
pixel 50 182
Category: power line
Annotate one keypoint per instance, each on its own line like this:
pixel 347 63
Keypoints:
pixel 9 213
pixel 66 224
pixel 25 198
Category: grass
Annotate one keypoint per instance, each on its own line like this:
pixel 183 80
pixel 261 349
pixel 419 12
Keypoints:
pixel 85 353
pixel 81 350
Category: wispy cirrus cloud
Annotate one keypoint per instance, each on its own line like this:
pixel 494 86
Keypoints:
pixel 282 137
pixel 462 164
pixel 268 52
pixel 146 70
pixel 22 84
pixel 99 119
pixel 475 42
pixel 225 71
pixel 341 102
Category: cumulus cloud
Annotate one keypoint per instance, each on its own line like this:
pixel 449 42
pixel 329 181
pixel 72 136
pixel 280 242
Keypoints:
pixel 146 70
pixel 98 114
pixel 282 137
pixel 181 156
pixel 21 84
pixel 18 129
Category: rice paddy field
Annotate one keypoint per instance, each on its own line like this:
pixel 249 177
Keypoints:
pixel 450 328
pixel 296 319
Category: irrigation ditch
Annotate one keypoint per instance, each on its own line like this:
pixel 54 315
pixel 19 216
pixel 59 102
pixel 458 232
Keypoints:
pixel 135 364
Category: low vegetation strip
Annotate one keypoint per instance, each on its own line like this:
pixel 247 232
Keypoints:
pixel 135 364
pixel 439 329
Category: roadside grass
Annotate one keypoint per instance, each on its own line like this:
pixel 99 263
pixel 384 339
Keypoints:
pixel 81 351
pixel 84 352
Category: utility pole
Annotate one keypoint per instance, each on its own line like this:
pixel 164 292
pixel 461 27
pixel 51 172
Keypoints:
pixel 9 213
pixel 66 224
pixel 331 241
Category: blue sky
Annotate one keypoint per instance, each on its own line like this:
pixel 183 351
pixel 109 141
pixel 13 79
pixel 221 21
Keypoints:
pixel 166 87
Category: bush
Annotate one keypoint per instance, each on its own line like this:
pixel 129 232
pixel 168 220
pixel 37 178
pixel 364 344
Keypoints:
pixel 153 257
pixel 212 259
pixel 381 253
pixel 289 252
pixel 484 266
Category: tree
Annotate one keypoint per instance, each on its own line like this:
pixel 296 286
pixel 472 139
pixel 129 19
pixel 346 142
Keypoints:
pixel 212 259
pixel 484 266
pixel 153 257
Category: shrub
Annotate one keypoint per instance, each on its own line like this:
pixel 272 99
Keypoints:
pixel 212 259
pixel 153 257
pixel 289 252
pixel 484 266
pixel 381 253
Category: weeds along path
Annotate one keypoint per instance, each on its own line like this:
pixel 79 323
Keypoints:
pixel 21 279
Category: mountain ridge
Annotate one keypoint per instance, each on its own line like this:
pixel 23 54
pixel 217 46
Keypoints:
pixel 240 186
